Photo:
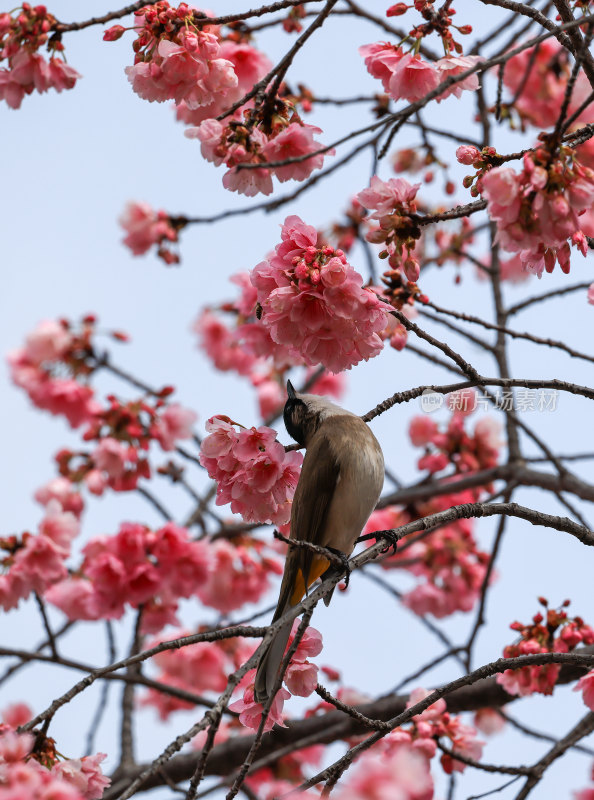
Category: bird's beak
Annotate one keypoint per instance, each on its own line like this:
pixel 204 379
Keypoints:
pixel 291 391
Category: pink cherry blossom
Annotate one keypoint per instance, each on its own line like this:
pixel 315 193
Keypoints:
pixel 412 78
pixel 295 140
pixel 453 65
pixel 381 59
pixel 145 227
pixel 489 721
pixel 64 492
pixel 84 774
pixel 259 486
pixel 174 423
pixel 335 321
pixel 16 714
pixel 240 574
pixel 250 712
pixel 538 210
pixel 402 775
pixel 586 686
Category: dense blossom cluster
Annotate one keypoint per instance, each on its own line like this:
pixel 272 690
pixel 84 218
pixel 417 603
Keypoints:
pixel 21 36
pixel 453 444
pixel 123 433
pixel 146 227
pixel 251 469
pixel 254 141
pixel 432 724
pixel 136 566
pixel 538 209
pixel 30 768
pixel 33 562
pixel 538 78
pixel 245 347
pixel 313 302
pixel 53 348
pixel 301 679
pixel 177 56
pixel 407 76
pixel 197 668
pixel 448 563
pixel 550 632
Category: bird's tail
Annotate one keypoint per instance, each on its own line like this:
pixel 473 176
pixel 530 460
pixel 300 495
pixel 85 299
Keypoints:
pixel 293 588
pixel 270 662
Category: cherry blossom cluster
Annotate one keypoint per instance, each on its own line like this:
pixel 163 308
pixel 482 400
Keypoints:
pixel 31 769
pixel 53 348
pixel 136 566
pixel 432 724
pixel 123 432
pixel 253 138
pixel 455 445
pixel 539 77
pixel 177 57
pixel 448 562
pixel 301 679
pixel 550 632
pixel 245 347
pixel 407 76
pixel 437 21
pixel 251 469
pixel 250 66
pixel 33 562
pixel 313 303
pixel 393 203
pixel 21 36
pixel 240 574
pixel 146 227
pixel 198 668
pixel 537 210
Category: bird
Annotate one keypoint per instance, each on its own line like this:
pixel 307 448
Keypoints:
pixel 340 483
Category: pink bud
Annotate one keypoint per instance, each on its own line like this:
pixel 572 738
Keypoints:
pixel 467 154
pixel 114 33
pixel 397 10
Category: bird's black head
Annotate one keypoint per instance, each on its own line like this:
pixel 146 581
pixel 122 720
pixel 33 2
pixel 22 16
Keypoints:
pixel 295 414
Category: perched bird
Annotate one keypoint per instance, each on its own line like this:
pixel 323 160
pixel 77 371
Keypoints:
pixel 340 483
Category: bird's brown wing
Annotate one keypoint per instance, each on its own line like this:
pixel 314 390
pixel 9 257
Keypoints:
pixel 315 490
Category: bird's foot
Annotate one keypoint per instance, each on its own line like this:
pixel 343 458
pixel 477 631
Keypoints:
pixel 334 569
pixel 389 536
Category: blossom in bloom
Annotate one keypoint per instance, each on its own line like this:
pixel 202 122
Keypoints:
pixel 407 76
pixel 454 65
pixel 258 484
pixel 538 210
pixel 173 424
pixel 294 141
pixel 541 88
pixel 392 203
pixel 84 774
pixel 145 227
pixel 240 574
pixel 401 775
pixel 16 714
pixel 250 712
pixel 489 721
pixel 553 632
pixel 64 492
pixel 586 686
pixel 313 302
pixel 137 566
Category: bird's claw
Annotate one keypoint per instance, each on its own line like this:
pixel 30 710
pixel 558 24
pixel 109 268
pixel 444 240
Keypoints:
pixel 333 569
pixel 389 536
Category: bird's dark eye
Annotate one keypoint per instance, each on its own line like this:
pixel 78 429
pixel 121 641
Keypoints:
pixel 294 416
